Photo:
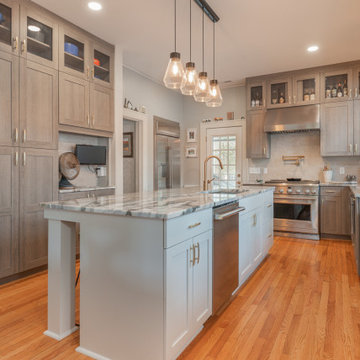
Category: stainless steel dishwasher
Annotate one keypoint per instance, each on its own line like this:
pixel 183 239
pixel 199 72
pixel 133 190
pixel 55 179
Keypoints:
pixel 225 253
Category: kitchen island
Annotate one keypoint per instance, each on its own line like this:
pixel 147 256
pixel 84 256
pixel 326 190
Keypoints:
pixel 146 267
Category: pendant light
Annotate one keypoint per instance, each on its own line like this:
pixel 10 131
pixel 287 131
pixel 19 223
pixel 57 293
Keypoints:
pixel 174 71
pixel 202 90
pixel 189 80
pixel 215 99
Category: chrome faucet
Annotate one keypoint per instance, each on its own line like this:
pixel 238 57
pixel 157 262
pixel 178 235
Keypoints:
pixel 206 181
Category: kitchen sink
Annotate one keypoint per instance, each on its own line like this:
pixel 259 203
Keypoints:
pixel 225 191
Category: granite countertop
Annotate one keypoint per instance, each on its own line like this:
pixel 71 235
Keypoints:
pixel 340 183
pixel 162 204
pixel 83 189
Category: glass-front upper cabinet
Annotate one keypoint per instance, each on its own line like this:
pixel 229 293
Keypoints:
pixel 256 95
pixel 306 89
pixel 74 53
pixel 39 38
pixel 9 26
pixel 356 83
pixel 103 65
pixel 337 85
pixel 279 92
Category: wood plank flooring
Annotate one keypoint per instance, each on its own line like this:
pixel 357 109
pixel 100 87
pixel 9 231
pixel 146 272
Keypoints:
pixel 303 303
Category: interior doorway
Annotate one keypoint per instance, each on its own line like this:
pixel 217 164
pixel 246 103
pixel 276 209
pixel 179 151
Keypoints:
pixel 130 157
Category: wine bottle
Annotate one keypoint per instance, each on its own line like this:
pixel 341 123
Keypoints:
pixel 339 92
pixel 281 98
pixel 328 92
pixel 333 91
pixel 346 91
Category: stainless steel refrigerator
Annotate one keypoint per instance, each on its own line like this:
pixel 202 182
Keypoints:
pixel 167 154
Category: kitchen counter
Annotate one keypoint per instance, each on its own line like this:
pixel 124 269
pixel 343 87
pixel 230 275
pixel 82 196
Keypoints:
pixel 84 189
pixel 162 204
pixel 340 183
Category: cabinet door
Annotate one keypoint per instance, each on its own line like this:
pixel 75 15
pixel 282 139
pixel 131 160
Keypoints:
pixel 257 141
pixel 337 129
pixel 74 52
pixel 39 36
pixel 354 90
pixel 330 82
pixel 246 245
pixel 257 236
pixel 256 95
pixel 74 101
pixel 9 99
pixel 331 207
pixel 279 93
pixel 38 183
pixel 102 108
pixel 356 127
pixel 178 322
pixel 102 61
pixel 8 211
pixel 9 26
pixel 306 89
pixel 202 279
pixel 38 105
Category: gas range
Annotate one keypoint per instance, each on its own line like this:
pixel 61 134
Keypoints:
pixel 295 187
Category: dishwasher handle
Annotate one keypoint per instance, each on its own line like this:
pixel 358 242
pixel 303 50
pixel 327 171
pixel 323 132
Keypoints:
pixel 229 213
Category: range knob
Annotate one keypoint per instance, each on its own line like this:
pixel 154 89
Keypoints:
pixel 307 191
pixel 298 191
pixel 289 191
pixel 314 192
pixel 281 191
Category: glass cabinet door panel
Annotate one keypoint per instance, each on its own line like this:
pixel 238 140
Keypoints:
pixel 74 54
pixel 279 93
pixel 39 39
pixel 101 66
pixel 306 89
pixel 256 96
pixel 5 24
pixel 336 86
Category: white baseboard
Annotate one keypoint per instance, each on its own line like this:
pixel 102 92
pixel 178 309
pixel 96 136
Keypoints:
pixel 91 354
pixel 62 336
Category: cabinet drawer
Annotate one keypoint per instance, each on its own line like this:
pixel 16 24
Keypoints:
pixel 187 226
pixel 268 197
pixel 252 202
pixel 332 190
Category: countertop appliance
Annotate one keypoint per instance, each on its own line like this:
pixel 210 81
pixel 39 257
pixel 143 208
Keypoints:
pixel 296 208
pixel 91 154
pixel 225 253
pixel 167 154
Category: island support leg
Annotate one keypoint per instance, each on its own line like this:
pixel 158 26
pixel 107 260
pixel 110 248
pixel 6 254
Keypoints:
pixel 61 279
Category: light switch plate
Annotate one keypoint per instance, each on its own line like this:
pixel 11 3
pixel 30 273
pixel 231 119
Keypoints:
pixel 254 170
pixel 342 171
pixel 265 171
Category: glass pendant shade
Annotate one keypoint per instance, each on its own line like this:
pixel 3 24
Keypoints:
pixel 174 72
pixel 215 99
pixel 202 89
pixel 188 83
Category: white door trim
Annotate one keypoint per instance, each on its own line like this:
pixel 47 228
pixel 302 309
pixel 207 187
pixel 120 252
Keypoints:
pixel 142 129
pixel 223 124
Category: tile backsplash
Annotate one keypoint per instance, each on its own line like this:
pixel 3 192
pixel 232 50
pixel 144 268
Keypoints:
pixel 307 144
pixel 86 178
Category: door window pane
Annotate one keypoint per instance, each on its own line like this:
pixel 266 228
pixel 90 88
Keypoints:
pixel 5 24
pixel 39 38
pixel 292 212
pixel 73 54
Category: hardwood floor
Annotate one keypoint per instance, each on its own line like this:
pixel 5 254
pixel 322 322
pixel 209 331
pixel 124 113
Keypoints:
pixel 302 303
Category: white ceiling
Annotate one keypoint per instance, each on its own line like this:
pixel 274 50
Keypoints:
pixel 253 37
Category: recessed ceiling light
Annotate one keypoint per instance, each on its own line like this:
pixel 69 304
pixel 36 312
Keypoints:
pixel 34 28
pixel 93 5
pixel 313 48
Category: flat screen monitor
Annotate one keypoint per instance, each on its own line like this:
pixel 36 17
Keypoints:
pixel 91 154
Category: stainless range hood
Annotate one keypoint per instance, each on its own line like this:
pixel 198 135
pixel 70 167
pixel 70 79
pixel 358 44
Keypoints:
pixel 293 119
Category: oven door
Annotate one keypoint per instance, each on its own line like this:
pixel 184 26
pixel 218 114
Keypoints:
pixel 298 214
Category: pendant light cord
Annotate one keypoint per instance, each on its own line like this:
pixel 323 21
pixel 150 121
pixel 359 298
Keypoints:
pixel 175 26
pixel 214 51
pixel 203 39
pixel 190 30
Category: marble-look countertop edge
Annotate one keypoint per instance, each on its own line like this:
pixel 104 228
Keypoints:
pixel 84 189
pixel 176 208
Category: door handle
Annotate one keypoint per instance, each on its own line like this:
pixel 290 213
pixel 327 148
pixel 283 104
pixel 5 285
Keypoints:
pixel 350 148
pixel 15 43
pixel 356 148
pixel 255 220
pixel 24 159
pixel 93 73
pixel 17 158
pixel 197 258
pixel 23 46
pixel 87 72
pixel 230 213
pixel 194 225
pixel 88 119
pixel 264 150
pixel 16 135
pixel 24 135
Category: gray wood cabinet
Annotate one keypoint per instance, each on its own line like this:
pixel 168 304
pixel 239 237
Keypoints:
pixel 9 29
pixel 331 78
pixel 9 176
pixel 337 129
pixel 102 57
pixel 356 127
pixel 257 141
pixel 277 87
pixel 38 183
pixel 256 95
pixel 306 88
pixel 335 211
pixel 74 101
pixel 39 45
pixel 9 99
pixel 38 105
pixel 102 108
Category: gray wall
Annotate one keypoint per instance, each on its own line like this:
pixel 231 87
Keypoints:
pixel 234 100
pixel 129 164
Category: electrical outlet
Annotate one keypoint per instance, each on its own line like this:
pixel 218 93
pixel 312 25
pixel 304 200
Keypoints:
pixel 265 171
pixel 254 170
pixel 342 171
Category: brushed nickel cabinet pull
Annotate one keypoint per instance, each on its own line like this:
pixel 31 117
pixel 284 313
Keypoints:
pixel 16 135
pixel 269 206
pixel 88 119
pixel 194 225
pixel 330 191
pixel 93 73
pixel 192 255
pixel 24 158
pixel 264 150
pixel 17 158
pixel 24 135
pixel 197 258
pixel 15 43
pixel 356 148
pixel 23 46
